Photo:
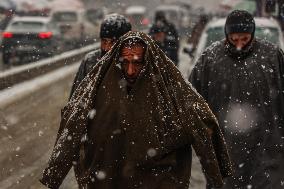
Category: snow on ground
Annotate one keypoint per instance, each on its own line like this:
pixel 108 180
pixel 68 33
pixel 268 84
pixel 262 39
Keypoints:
pixel 17 92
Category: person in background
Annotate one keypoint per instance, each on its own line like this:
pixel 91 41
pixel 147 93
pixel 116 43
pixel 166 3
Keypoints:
pixel 166 36
pixel 197 31
pixel 112 28
pixel 242 80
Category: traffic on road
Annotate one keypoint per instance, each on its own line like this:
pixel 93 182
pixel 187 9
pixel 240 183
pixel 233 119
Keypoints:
pixel 152 94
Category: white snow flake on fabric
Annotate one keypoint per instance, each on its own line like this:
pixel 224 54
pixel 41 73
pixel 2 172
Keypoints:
pixel 101 175
pixel 241 118
pixel 249 186
pixel 92 114
pixel 151 152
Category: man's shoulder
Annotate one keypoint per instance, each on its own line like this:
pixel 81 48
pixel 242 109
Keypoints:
pixel 214 49
pixel 212 54
pixel 93 56
pixel 264 45
pixel 90 60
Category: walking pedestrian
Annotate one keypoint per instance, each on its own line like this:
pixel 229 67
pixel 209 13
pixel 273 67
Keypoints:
pixel 131 124
pixel 242 80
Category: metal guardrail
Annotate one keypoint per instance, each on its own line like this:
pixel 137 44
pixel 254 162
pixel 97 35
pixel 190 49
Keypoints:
pixel 26 72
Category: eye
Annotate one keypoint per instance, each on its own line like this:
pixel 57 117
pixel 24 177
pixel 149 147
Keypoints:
pixel 233 39
pixel 138 62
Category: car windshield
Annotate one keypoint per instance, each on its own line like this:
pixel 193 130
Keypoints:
pixel 65 17
pixel 26 26
pixel 94 15
pixel 269 33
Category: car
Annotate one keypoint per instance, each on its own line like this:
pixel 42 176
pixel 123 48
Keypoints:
pixel 137 16
pixel 266 28
pixel 30 8
pixel 30 36
pixel 96 15
pixel 5 18
pixel 75 27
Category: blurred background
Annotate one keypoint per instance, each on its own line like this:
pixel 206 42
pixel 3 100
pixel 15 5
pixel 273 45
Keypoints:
pixel 43 42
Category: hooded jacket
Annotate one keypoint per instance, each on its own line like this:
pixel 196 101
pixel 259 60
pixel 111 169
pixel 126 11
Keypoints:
pixel 170 45
pixel 113 26
pixel 137 139
pixel 246 93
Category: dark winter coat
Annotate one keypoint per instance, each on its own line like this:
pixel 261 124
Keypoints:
pixel 90 60
pixel 138 139
pixel 246 95
pixel 171 44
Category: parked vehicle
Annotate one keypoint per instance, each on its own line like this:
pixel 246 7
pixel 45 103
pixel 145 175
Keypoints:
pixel 96 16
pixel 266 28
pixel 75 27
pixel 137 16
pixel 31 7
pixel 5 18
pixel 30 38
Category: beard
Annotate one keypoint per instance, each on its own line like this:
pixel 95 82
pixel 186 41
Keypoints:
pixel 130 80
pixel 239 53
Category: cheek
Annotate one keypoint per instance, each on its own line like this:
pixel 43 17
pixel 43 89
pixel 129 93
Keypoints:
pixel 124 67
pixel 106 46
pixel 103 46
pixel 232 41
pixel 139 68
pixel 248 39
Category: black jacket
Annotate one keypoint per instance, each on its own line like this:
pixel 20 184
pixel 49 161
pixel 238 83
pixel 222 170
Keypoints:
pixel 171 44
pixel 247 97
pixel 86 66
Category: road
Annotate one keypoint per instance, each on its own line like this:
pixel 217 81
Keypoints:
pixel 27 135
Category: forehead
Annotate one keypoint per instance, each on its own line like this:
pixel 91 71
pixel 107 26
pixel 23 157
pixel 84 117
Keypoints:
pixel 107 39
pixel 240 34
pixel 136 48
pixel 133 42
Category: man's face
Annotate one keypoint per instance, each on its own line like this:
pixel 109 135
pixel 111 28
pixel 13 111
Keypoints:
pixel 107 43
pixel 132 61
pixel 160 37
pixel 240 40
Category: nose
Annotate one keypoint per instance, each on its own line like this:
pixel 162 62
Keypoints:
pixel 130 69
pixel 240 44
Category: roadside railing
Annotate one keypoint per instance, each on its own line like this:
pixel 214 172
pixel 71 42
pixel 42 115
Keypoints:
pixel 29 71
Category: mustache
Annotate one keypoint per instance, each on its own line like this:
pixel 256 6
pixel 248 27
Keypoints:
pixel 130 79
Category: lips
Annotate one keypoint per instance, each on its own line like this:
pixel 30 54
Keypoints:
pixel 130 79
